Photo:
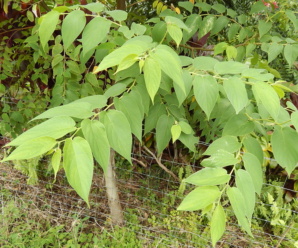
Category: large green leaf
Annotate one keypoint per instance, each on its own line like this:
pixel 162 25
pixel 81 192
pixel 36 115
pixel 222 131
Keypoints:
pixel 274 50
pixel 266 95
pixel 47 27
pixel 206 25
pixel 239 207
pixel 152 75
pixel 96 101
pixel 205 63
pixel 118 15
pixel 72 26
pixel 189 140
pixel 175 32
pixel 291 15
pixel 115 90
pixel 78 166
pixel 291 53
pixel 193 22
pixel 236 92
pixel 206 92
pixel 219 24
pixel 254 168
pixel 79 110
pixel 209 177
pixel 118 132
pixel 170 64
pixel 55 127
pixel 285 149
pixel 131 105
pixel 163 132
pixel 245 184
pixel 220 158
pixel 227 143
pixel 238 125
pixel 157 110
pixel 133 47
pixel 199 198
pixel 32 148
pixel 294 119
pixel 253 146
pixel 230 67
pixel 264 27
pixel 94 33
pixel 95 133
pixel 218 224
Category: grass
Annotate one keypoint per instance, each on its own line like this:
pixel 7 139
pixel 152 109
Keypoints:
pixel 51 215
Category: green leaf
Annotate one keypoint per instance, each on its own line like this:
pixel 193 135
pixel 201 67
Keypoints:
pixel 199 198
pixel 175 32
pixel 258 7
pixel 95 133
pixel 118 15
pixel 32 148
pixel 285 149
pixel 238 125
pixel 186 5
pixel 94 7
pixel 238 205
pixel 152 75
pixel 100 26
pixel 193 22
pixel 219 24
pixel 245 184
pixel 264 27
pixel 227 143
pixel 131 105
pixel 206 25
pixel 185 127
pixel 138 29
pixel 220 158
pixel 78 166
pixel 220 48
pixel 209 177
pixel 251 145
pixel 218 224
pixel 163 132
pixel 175 131
pixel 219 8
pixel 127 62
pixel 230 67
pixel 231 52
pixel 236 92
pixel 170 64
pixel 205 63
pixel 233 30
pixel 206 92
pixel 56 160
pixel 80 110
pixel 258 74
pixel 254 168
pixel 170 20
pixel 115 90
pixel 294 119
pixel 274 50
pixel 96 101
pixel 119 133
pixel 157 110
pixel 267 96
pixel 189 140
pixel 291 15
pixel 72 26
pixel 291 53
pixel 48 26
pixel 55 128
pixel 136 47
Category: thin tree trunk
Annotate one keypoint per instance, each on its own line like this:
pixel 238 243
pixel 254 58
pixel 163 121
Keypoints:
pixel 112 192
pixel 121 4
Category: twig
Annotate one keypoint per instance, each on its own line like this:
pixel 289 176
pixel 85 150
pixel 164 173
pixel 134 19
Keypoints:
pixel 160 164
pixel 139 162
pixel 284 235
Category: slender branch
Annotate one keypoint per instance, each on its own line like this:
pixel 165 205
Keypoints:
pixel 284 235
pixel 16 29
pixel 139 162
pixel 160 164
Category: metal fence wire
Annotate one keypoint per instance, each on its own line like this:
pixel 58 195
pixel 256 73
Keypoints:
pixel 149 198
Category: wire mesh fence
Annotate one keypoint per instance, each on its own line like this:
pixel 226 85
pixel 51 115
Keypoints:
pixel 149 198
